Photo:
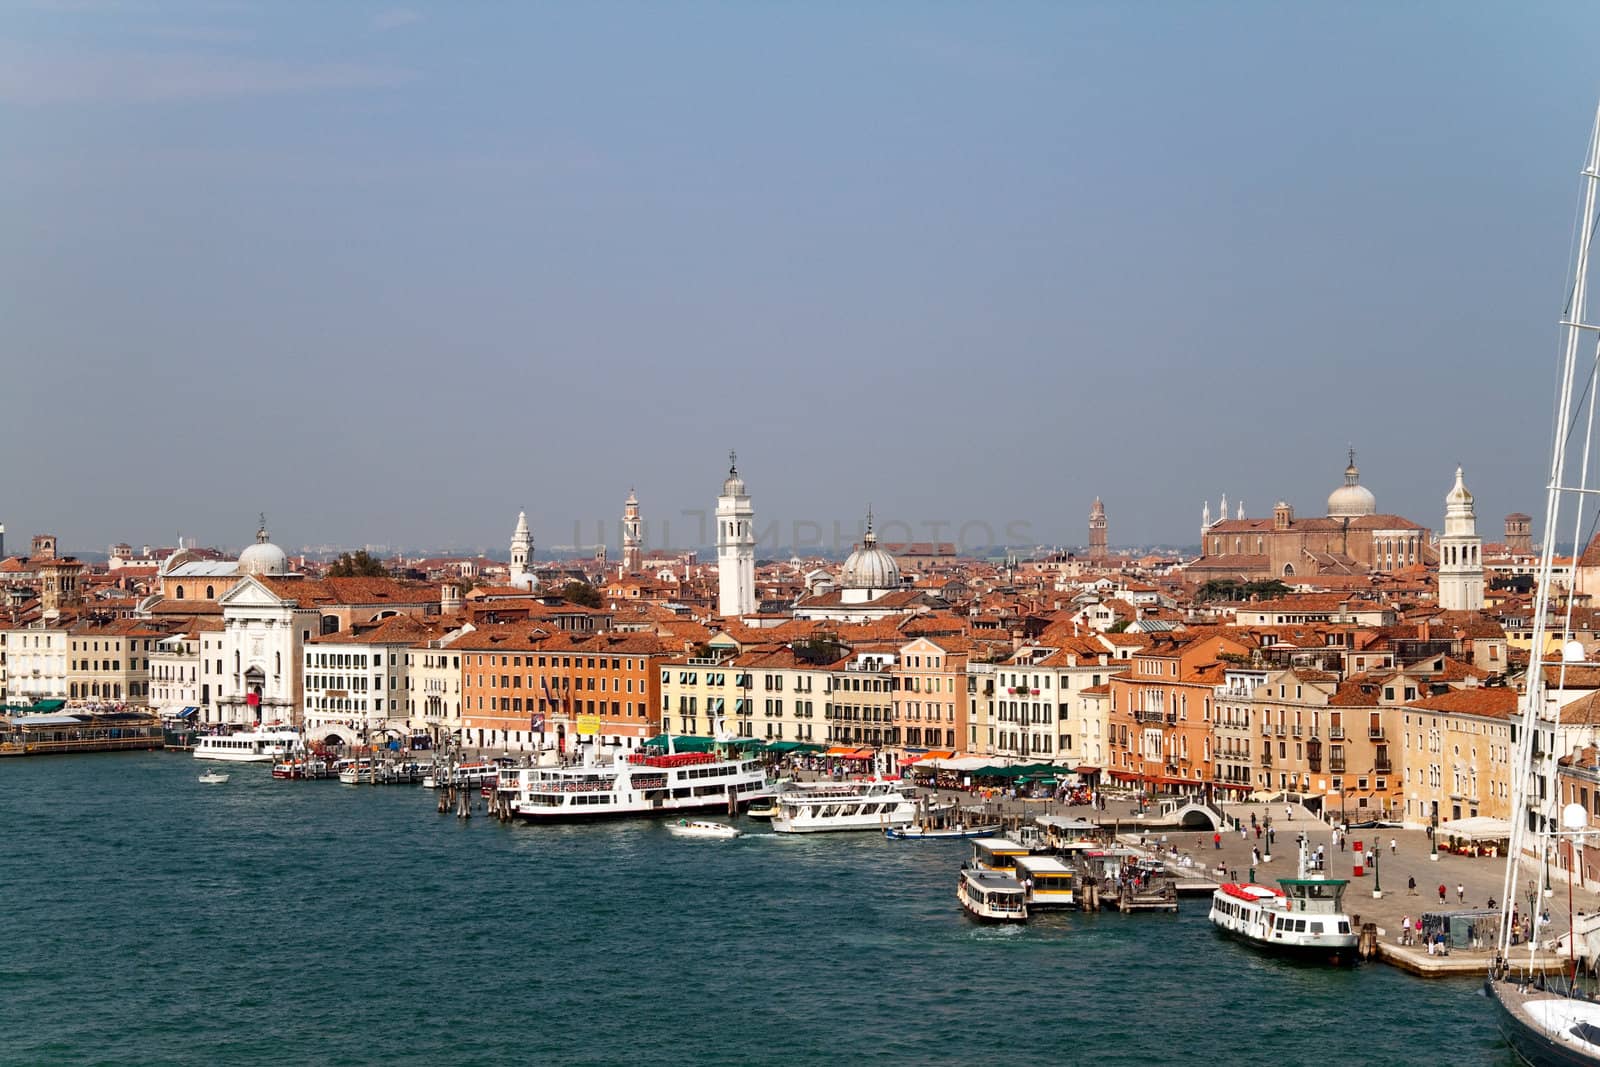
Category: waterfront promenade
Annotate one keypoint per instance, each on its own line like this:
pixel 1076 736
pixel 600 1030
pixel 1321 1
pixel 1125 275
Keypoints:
pixel 1479 879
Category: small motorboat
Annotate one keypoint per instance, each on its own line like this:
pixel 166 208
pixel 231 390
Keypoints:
pixel 714 830
pixel 763 808
pixel 947 833
pixel 213 778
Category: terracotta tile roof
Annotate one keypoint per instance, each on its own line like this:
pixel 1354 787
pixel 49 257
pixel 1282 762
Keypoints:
pixel 395 630
pixel 1585 711
pixel 327 591
pixel 1497 702
pixel 1358 692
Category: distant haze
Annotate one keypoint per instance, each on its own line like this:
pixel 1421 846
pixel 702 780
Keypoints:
pixel 391 274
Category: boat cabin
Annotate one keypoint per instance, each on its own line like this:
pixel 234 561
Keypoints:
pixel 998 853
pixel 1323 896
pixel 1048 881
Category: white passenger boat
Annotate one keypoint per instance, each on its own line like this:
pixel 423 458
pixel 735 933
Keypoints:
pixel 250 746
pixel 719 831
pixel 633 785
pixel 1304 918
pixel 991 896
pixel 213 778
pixel 465 774
pixel 870 805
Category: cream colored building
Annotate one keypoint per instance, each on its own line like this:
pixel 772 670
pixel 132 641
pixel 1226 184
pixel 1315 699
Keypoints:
pixel 433 687
pixel 175 668
pixel 36 663
pixel 1457 750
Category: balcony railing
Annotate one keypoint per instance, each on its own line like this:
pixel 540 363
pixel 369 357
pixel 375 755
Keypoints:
pixel 1336 733
pixel 1336 766
pixel 1375 733
pixel 1383 766
pixel 1297 731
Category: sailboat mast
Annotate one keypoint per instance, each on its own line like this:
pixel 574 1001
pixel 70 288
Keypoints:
pixel 1533 710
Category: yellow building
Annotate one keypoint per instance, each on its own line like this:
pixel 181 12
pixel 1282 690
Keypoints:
pixel 1456 752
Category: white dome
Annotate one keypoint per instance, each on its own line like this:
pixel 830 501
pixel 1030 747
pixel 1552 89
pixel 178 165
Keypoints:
pixel 870 567
pixel 263 557
pixel 1352 499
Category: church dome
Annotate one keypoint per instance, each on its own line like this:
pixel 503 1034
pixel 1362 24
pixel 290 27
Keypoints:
pixel 263 557
pixel 1352 499
pixel 870 567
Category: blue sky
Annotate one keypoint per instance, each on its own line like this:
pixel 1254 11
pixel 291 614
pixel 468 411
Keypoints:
pixel 390 274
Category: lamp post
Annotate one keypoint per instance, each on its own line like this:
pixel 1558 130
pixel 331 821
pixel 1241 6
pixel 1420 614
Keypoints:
pixel 1377 884
pixel 1433 833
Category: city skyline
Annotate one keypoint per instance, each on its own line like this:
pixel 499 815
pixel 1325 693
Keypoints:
pixel 392 274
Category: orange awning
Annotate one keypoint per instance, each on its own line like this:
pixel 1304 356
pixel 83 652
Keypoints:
pixel 838 751
pixel 937 754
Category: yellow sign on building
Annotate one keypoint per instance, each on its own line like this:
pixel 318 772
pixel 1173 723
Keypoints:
pixel 588 725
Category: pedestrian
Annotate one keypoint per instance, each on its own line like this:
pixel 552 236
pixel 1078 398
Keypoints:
pixel 1461 893
pixel 1405 929
pixel 1394 847
pixel 1411 886
pixel 1257 826
pixel 1442 892
pixel 1288 811
pixel 1339 837
pixel 1216 839
pixel 1255 857
pixel 1244 835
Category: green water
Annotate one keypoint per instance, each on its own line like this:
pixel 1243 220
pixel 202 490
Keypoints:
pixel 151 919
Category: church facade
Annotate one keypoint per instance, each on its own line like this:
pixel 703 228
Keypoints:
pixel 1353 538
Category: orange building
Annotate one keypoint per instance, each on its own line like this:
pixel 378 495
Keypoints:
pixel 528 686
pixel 1160 725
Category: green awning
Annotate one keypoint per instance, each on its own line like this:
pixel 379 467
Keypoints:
pixel 792 746
pixel 999 772
pixel 681 743
pixel 42 707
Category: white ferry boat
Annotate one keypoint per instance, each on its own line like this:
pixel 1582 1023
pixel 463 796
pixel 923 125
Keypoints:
pixel 1304 918
pixel 633 785
pixel 871 805
pixel 992 896
pixel 250 746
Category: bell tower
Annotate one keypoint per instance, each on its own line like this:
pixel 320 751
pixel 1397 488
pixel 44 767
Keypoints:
pixel 632 535
pixel 522 553
pixel 1097 530
pixel 736 546
pixel 1460 552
